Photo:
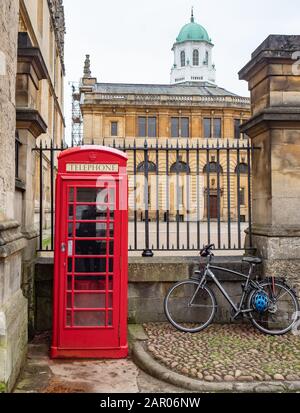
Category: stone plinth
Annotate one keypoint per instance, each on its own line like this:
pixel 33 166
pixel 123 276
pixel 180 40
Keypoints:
pixel 274 81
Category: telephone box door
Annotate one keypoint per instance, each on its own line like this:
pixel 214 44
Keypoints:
pixel 90 271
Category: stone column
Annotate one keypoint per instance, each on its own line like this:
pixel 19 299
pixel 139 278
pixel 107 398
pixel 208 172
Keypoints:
pixel 274 81
pixel 13 305
pixel 31 69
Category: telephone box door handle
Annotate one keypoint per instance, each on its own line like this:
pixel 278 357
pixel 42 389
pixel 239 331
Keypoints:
pixel 63 247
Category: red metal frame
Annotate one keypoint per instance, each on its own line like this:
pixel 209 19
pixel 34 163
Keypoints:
pixel 90 287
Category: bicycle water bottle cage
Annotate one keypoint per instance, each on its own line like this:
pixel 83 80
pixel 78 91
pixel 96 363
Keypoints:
pixel 261 302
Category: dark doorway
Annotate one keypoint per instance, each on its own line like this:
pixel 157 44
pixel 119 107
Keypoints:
pixel 213 206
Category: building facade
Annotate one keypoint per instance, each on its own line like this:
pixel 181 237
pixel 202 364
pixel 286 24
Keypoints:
pixel 191 110
pixel 31 96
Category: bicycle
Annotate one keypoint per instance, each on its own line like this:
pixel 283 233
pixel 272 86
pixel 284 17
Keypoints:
pixel 190 305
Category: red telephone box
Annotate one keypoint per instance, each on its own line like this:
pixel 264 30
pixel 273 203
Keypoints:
pixel 91 254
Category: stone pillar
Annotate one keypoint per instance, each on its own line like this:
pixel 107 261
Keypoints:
pixel 13 305
pixel 274 81
pixel 31 69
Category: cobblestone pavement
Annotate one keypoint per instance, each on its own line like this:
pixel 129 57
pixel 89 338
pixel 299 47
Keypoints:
pixel 228 353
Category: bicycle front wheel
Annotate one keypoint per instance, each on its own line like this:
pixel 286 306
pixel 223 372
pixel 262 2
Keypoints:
pixel 189 307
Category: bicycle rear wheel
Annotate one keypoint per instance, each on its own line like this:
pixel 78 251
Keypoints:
pixel 279 317
pixel 189 307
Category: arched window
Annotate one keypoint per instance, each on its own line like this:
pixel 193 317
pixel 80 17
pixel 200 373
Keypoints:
pixel 196 58
pixel 182 58
pixel 213 168
pixel 242 168
pixel 142 167
pixel 206 58
pixel 180 168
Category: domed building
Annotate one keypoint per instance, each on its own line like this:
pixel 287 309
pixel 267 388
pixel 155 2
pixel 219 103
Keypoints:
pixel 193 55
pixel 191 110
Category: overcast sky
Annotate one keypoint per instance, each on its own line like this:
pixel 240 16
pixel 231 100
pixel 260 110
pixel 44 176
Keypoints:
pixel 130 40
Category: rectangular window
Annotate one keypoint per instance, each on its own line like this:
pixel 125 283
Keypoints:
pixel 180 128
pixel 185 128
pixel 207 128
pixel 147 127
pixel 114 129
pixel 242 196
pixel 142 127
pixel 217 128
pixel 152 129
pixel 237 133
pixel 175 127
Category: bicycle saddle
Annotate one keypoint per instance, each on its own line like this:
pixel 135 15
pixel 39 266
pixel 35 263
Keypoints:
pixel 252 260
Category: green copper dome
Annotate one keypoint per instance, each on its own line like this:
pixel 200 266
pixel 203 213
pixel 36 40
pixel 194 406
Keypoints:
pixel 193 32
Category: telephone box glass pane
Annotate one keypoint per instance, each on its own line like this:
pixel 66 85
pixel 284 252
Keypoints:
pixel 70 230
pixel 110 283
pixel 87 265
pixel 92 213
pixel 70 264
pixel 89 300
pixel 91 283
pixel 94 230
pixel 89 318
pixel 71 212
pixel 90 247
pixel 110 318
pixel 69 319
pixel 71 195
pixel 69 300
pixel 92 195
pixel 110 300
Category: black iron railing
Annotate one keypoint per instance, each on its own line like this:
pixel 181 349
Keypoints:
pixel 182 196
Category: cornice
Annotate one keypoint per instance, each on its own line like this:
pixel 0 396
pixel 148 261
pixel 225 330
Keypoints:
pixel 31 120
pixel 91 99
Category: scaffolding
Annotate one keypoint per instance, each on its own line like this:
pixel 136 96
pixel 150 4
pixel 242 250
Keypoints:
pixel 77 121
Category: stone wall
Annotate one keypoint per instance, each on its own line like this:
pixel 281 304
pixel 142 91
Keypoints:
pixel 149 281
pixel 13 305
pixel 274 81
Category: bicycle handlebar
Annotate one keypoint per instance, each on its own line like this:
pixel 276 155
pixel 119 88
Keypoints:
pixel 206 251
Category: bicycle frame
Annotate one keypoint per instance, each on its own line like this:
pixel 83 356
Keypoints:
pixel 209 273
